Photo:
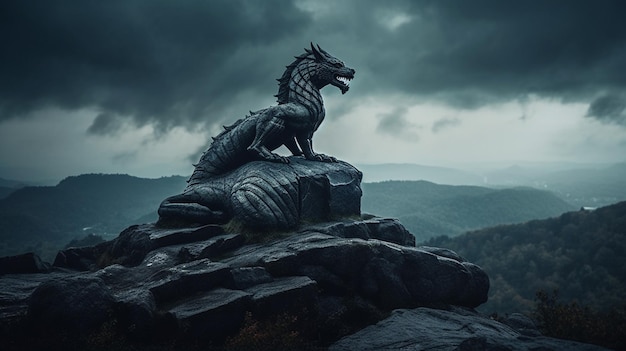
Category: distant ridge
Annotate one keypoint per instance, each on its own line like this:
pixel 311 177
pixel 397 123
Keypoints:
pixel 409 171
pixel 44 218
pixel 429 210
pixel 593 185
pixel 8 186
pixel 9 183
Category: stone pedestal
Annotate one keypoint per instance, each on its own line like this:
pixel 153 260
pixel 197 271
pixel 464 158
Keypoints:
pixel 270 195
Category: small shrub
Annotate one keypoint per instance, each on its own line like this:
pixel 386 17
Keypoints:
pixel 276 333
pixel 573 321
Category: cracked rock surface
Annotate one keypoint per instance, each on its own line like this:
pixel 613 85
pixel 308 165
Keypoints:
pixel 201 283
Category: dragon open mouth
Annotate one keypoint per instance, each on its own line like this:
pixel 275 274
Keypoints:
pixel 344 83
pixel 344 80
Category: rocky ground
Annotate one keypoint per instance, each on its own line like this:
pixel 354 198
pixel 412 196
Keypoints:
pixel 204 285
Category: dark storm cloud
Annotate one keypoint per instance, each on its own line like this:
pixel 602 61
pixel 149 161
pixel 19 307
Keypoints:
pixel 475 52
pixel 395 123
pixel 173 63
pixel 105 123
pixel 157 61
pixel 609 109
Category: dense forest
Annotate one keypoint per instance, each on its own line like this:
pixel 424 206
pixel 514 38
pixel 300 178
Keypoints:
pixel 5 191
pixel 581 254
pixel 430 210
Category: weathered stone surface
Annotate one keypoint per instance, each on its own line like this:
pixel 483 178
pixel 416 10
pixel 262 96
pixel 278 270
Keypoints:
pixel 79 258
pixel 200 286
pixel 454 329
pixel 134 243
pixel 282 294
pixel 212 315
pixel 211 248
pixel 74 304
pixel 393 275
pixel 522 323
pixel 186 279
pixel 245 277
pixel 25 263
pixel 270 195
pixel 15 290
pixel 385 229
pixel 136 309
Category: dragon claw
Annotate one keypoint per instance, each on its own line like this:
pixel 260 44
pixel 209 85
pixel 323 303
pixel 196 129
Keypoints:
pixel 322 158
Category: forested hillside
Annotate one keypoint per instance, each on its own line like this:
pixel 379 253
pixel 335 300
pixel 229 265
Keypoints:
pixel 429 210
pixel 582 254
pixel 8 186
pixel 5 191
pixel 44 219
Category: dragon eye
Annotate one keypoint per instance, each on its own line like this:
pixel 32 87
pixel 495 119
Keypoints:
pixel 338 64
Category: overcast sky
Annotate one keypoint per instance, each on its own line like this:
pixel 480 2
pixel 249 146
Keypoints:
pixel 140 86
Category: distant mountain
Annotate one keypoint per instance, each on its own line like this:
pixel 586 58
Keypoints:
pixel 8 183
pixel 430 210
pixel 8 186
pixel 45 218
pixel 590 186
pixel 582 254
pixel 407 171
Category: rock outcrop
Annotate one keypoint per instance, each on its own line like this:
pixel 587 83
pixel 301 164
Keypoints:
pixel 201 282
pixel 24 263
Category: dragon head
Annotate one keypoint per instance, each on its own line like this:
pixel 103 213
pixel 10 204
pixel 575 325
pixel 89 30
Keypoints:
pixel 330 70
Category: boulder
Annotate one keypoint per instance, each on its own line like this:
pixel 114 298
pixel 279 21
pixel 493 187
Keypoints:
pixel 134 243
pixel 450 329
pixel 391 275
pixel 213 315
pixel 385 229
pixel 25 263
pixel 282 294
pixel 73 305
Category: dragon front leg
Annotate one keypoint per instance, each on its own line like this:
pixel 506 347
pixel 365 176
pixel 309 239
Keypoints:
pixel 306 143
pixel 266 132
pixel 293 146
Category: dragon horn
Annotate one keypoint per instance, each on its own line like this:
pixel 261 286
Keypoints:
pixel 322 50
pixel 316 53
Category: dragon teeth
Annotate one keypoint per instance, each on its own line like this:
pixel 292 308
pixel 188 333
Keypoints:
pixel 344 80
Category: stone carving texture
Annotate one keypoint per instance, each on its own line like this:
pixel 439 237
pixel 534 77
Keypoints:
pixel 228 184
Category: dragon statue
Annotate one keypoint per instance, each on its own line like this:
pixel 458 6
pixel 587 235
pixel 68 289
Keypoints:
pixel 291 123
